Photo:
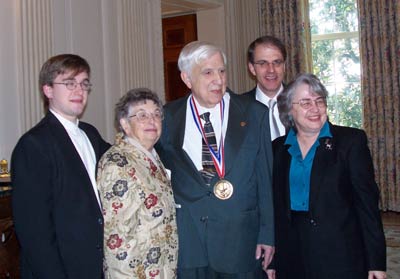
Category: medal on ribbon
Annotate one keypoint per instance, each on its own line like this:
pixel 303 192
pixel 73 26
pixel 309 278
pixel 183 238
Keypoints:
pixel 223 189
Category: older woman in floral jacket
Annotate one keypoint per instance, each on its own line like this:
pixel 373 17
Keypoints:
pixel 140 233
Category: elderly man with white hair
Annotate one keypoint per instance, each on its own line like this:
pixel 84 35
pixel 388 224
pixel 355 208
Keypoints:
pixel 218 148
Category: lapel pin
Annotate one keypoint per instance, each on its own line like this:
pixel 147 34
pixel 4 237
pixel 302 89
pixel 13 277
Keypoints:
pixel 242 123
pixel 328 144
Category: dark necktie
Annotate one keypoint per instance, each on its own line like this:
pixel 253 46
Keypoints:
pixel 208 170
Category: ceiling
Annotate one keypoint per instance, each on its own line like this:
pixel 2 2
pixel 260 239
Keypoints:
pixel 177 7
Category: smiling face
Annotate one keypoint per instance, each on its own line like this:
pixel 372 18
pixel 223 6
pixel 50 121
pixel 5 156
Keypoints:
pixel 269 76
pixel 207 81
pixel 308 121
pixel 148 131
pixel 68 103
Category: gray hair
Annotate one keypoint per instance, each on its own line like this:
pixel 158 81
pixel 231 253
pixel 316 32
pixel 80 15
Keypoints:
pixel 131 98
pixel 195 52
pixel 285 99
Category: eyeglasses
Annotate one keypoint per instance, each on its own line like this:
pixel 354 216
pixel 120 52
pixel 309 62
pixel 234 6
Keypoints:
pixel 144 116
pixel 274 64
pixel 308 103
pixel 72 84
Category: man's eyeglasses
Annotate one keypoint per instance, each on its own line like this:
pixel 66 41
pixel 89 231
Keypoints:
pixel 308 103
pixel 72 84
pixel 144 116
pixel 274 64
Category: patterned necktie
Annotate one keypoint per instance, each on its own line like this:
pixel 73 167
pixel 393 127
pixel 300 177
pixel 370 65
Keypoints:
pixel 274 124
pixel 208 170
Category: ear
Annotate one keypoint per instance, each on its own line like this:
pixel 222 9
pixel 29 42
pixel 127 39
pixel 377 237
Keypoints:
pixel 125 125
pixel 185 78
pixel 251 68
pixel 48 91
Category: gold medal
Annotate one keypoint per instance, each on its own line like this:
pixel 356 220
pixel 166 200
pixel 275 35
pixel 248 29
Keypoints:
pixel 223 189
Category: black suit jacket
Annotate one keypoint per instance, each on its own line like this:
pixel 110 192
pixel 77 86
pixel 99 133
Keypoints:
pixel 344 232
pixel 57 218
pixel 251 93
pixel 222 234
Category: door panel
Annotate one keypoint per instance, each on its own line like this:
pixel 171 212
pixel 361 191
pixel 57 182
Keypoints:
pixel 177 32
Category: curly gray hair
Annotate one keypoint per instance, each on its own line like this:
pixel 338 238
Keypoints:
pixel 285 99
pixel 131 98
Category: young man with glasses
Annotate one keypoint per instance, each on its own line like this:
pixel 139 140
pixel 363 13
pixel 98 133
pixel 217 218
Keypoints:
pixel 266 61
pixel 56 206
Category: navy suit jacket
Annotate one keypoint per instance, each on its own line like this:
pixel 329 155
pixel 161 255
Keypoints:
pixel 345 234
pixel 222 234
pixel 57 217
pixel 251 93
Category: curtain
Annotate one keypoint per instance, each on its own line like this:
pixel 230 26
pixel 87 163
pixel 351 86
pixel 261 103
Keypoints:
pixel 380 81
pixel 288 20
pixel 379 23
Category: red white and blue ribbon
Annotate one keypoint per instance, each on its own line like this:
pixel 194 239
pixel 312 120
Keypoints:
pixel 217 155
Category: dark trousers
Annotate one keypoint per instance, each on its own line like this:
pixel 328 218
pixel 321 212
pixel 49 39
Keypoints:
pixel 300 264
pixel 209 273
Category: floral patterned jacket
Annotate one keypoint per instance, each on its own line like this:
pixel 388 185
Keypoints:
pixel 140 233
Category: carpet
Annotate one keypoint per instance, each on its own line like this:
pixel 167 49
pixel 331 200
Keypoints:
pixel 392 234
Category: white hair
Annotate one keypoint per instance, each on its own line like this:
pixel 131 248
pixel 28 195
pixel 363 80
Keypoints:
pixel 195 52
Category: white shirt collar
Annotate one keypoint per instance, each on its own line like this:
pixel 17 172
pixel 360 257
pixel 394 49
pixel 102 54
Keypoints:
pixel 261 97
pixel 213 111
pixel 68 124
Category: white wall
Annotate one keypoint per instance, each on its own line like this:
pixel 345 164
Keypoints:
pixel 210 26
pixel 233 26
pixel 121 39
pixel 9 117
pixel 78 28
pixel 31 32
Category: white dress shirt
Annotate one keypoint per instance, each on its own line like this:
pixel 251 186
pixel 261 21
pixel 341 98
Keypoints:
pixel 83 147
pixel 262 98
pixel 192 143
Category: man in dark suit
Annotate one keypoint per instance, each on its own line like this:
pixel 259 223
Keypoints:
pixel 266 61
pixel 56 207
pixel 224 204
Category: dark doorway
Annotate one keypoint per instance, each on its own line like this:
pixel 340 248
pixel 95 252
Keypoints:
pixel 177 32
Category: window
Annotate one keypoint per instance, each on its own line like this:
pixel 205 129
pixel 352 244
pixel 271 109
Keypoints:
pixel 336 57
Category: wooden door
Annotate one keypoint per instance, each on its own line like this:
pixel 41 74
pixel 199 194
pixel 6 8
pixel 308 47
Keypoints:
pixel 177 32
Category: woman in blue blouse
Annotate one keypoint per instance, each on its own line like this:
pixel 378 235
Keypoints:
pixel 325 196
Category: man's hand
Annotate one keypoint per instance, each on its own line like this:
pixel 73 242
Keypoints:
pixel 271 273
pixel 265 251
pixel 375 274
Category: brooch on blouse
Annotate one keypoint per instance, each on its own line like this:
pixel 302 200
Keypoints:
pixel 328 144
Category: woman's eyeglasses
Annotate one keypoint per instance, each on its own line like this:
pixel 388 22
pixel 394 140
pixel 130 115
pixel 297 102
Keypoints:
pixel 144 116
pixel 308 103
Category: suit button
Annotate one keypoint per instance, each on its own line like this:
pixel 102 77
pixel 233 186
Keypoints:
pixel 209 193
pixel 312 222
pixel 98 247
pixel 204 218
pixel 100 221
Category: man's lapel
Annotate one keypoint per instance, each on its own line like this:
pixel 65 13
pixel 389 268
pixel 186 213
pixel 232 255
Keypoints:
pixel 73 160
pixel 177 134
pixel 235 133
